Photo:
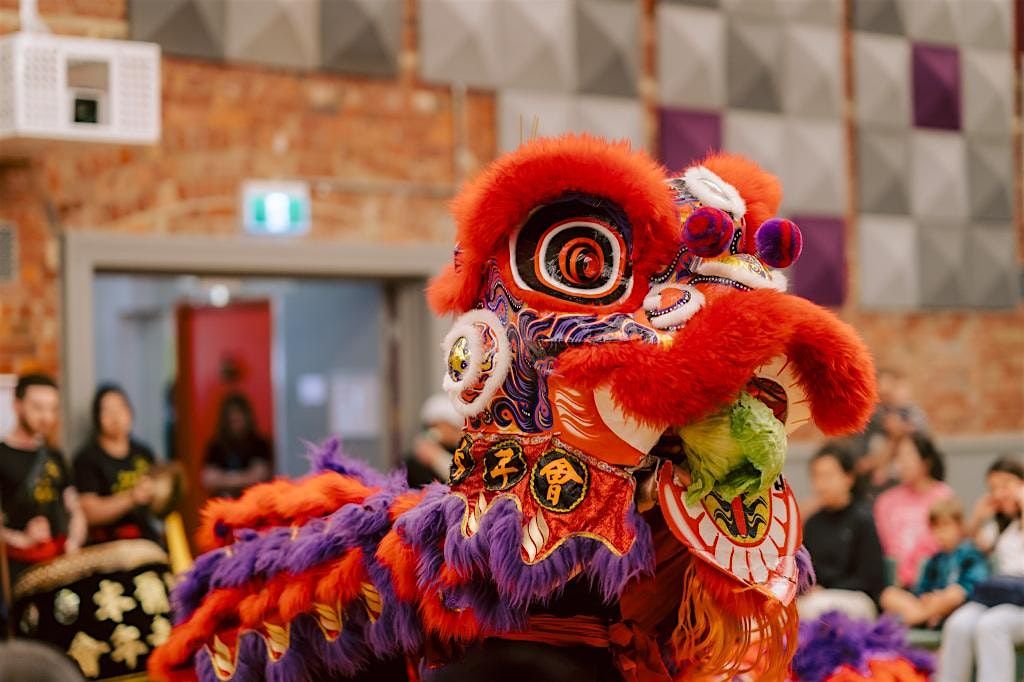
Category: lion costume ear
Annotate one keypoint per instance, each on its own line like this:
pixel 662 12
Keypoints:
pixel 492 206
pixel 448 294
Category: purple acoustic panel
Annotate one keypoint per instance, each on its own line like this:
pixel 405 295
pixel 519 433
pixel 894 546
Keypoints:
pixel 936 73
pixel 820 273
pixel 685 136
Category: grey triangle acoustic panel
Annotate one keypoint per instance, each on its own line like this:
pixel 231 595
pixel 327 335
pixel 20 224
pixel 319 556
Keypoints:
pixel 754 64
pixel 607 47
pixel 274 32
pixel 536 45
pixel 190 28
pixel 883 169
pixel 943 274
pixel 992 266
pixel 361 36
pixel 878 16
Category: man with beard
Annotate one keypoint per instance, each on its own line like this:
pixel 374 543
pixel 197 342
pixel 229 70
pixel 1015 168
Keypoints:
pixel 42 517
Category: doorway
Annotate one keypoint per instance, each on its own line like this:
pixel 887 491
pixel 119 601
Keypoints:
pixel 352 347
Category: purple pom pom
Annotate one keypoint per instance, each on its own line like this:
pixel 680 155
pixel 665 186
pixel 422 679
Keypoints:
pixel 778 242
pixel 707 231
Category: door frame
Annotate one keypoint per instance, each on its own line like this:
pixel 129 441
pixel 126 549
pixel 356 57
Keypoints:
pixel 86 253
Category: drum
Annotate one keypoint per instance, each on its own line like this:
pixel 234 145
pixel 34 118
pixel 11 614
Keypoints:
pixel 106 606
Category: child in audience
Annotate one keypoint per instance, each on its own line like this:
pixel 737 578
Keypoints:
pixel 947 578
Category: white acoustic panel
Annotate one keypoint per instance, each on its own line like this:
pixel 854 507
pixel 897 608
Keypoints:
pixel 691 51
pixel 523 115
pixel 888 261
pixel 822 12
pixel 938 167
pixel 459 42
pixel 811 71
pixel 985 23
pixel 814 173
pixel 756 135
pixel 931 21
pixel 987 77
pixel 882 79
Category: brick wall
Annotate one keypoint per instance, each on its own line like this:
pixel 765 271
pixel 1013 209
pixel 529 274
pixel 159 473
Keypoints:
pixel 382 157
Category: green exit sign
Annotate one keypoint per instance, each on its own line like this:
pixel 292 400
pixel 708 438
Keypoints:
pixel 275 208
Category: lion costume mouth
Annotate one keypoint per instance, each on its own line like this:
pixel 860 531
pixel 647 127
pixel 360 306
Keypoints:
pixel 738 338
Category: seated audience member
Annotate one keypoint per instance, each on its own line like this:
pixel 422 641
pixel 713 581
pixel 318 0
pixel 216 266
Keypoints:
pixel 237 456
pixel 895 418
pixel 988 628
pixel 901 513
pixel 431 458
pixel 948 577
pixel 842 541
pixel 42 516
pixel 112 472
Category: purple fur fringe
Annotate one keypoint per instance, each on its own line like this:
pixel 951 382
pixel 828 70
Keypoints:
pixel 835 639
pixel 805 578
pixel 501 595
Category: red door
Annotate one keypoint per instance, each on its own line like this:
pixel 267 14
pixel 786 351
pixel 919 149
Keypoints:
pixel 220 351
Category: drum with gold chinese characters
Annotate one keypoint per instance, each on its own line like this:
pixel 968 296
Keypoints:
pixel 107 606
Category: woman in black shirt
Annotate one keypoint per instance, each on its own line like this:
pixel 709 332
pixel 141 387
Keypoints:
pixel 112 472
pixel 237 456
pixel 842 541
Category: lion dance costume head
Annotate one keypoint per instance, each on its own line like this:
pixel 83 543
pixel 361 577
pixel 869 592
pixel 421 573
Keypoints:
pixel 628 364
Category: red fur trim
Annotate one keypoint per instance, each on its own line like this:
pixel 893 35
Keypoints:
pixel 492 206
pixel 283 597
pixel 460 626
pixel 342 579
pixel 711 359
pixel 400 559
pixel 760 190
pixel 167 660
pixel 405 502
pixel 278 503
pixel 881 670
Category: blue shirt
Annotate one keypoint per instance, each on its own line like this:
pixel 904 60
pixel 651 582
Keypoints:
pixel 964 566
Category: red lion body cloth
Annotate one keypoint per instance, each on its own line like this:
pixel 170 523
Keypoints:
pixel 629 365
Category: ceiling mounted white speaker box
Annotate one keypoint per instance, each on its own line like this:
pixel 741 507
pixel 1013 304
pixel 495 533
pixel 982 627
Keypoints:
pixel 71 89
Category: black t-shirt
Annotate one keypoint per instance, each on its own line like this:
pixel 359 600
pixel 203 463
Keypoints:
pixel 237 455
pixel 845 550
pixel 32 483
pixel 97 471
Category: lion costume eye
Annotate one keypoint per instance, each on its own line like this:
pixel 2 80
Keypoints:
pixel 576 249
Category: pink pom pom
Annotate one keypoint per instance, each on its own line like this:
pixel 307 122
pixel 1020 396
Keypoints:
pixel 707 231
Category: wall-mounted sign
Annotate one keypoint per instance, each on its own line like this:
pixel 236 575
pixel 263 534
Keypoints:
pixel 275 208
